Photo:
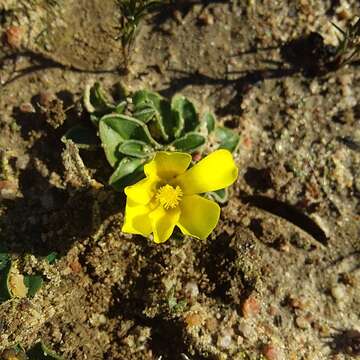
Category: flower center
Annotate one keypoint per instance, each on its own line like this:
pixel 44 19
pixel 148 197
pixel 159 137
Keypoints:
pixel 169 197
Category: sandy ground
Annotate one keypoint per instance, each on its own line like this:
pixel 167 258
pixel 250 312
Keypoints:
pixel 280 276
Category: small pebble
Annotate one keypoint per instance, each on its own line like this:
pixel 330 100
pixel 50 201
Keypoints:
pixel 296 303
pixel 271 352
pixel 272 310
pixel 250 307
pixel 239 340
pixel 338 292
pixel 178 16
pixel 45 98
pixel 301 322
pixel 26 108
pixel 206 19
pixel 224 340
pixel 284 247
pixel 8 190
pixel 75 266
pixel 192 320
pixel 196 156
pixel 167 28
pixel 344 12
pixel 314 87
pixel 22 162
pixel 13 36
pixel 247 330
pixel 211 324
pixel 191 290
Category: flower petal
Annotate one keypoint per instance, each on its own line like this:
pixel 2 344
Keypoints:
pixel 199 216
pixel 137 219
pixel 167 165
pixel 216 171
pixel 163 223
pixel 142 191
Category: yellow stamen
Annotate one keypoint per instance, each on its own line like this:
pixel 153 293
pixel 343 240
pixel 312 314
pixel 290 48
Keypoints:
pixel 169 197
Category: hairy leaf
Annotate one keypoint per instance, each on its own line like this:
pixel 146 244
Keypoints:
pixel 189 142
pixel 135 148
pixel 115 129
pixel 220 196
pixel 210 120
pixel 95 100
pixel 226 138
pixel 129 171
pixel 188 117
pixel 150 106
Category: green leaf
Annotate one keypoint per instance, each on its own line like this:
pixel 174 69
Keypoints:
pixel 4 259
pixel 135 148
pixel 210 120
pixel 95 119
pixel 41 352
pixel 33 283
pixel 146 105
pixel 96 101
pixel 52 257
pixel 174 304
pixel 188 117
pixel 226 138
pixel 111 139
pixel 115 129
pixel 221 196
pixel 5 293
pixel 165 120
pixel 188 143
pixel 181 305
pixel 178 122
pixel 83 137
pixel 129 171
pixel 120 107
pixel 152 106
pixel 18 348
pixel 145 115
pixel 120 91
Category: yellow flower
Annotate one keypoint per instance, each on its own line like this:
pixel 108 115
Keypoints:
pixel 168 196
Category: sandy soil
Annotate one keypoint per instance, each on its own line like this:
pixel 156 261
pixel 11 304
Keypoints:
pixel 280 276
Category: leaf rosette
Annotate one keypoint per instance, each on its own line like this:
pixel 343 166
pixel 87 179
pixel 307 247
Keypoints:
pixel 136 126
